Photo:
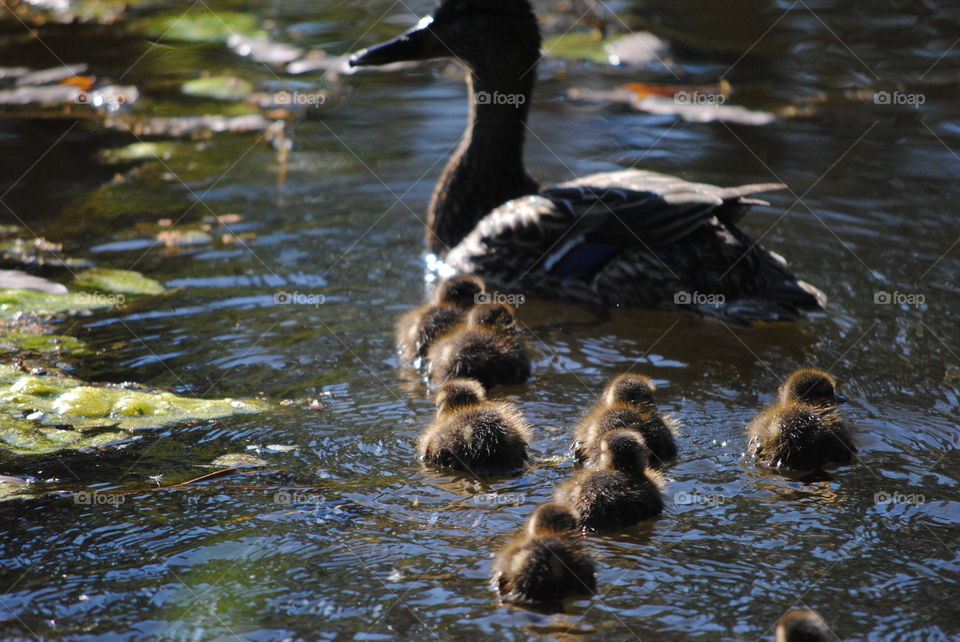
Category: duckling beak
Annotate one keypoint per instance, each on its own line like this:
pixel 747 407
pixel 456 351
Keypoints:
pixel 841 398
pixel 420 43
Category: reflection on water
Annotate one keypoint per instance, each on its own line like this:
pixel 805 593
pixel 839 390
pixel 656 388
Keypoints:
pixel 371 544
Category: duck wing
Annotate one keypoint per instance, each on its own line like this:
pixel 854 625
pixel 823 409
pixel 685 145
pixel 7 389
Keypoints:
pixel 656 209
pixel 635 238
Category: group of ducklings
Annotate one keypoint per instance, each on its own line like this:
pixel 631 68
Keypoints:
pixel 622 444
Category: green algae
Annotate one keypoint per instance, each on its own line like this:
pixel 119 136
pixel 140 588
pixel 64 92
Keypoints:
pixel 46 413
pixel 228 88
pixel 577 45
pixel 18 340
pixel 202 25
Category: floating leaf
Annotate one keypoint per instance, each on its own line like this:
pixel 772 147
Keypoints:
pixel 264 49
pixel 691 106
pixel 192 125
pixel 52 412
pixel 182 238
pixel 637 48
pixel 237 460
pixel 124 281
pixel 577 45
pixel 138 152
pixel 218 87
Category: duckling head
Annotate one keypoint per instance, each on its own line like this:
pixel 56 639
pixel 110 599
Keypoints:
pixel 459 393
pixel 632 389
pixel 802 625
pixel 480 33
pixel 491 316
pixel 624 451
pixel 814 387
pixel 461 290
pixel 551 519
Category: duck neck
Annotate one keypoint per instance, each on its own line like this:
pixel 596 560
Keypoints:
pixel 487 168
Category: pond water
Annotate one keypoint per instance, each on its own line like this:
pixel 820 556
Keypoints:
pixel 345 534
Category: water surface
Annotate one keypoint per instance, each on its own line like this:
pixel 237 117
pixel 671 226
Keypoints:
pixel 347 535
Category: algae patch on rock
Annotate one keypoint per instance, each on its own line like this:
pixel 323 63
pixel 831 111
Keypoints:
pixel 105 288
pixel 47 413
pixel 123 281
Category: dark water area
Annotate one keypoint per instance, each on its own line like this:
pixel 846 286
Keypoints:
pixel 344 534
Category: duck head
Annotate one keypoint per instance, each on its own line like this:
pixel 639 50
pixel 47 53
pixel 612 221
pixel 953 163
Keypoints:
pixel 624 451
pixel 480 33
pixel 632 389
pixel 491 316
pixel 460 290
pixel 551 519
pixel 814 387
pixel 802 625
pixel 459 393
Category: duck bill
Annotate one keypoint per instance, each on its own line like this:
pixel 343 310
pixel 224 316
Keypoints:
pixel 420 43
pixel 842 398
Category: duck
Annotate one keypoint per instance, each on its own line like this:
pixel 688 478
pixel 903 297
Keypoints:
pixel 485 347
pixel 627 238
pixel 802 430
pixel 475 435
pixel 802 625
pixel 417 329
pixel 545 564
pixel 627 402
pixel 623 491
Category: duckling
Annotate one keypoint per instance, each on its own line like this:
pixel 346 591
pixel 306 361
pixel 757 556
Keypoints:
pixel 473 434
pixel 627 402
pixel 802 626
pixel 485 348
pixel 545 563
pixel 802 430
pixel 419 328
pixel 623 492
pixel 814 387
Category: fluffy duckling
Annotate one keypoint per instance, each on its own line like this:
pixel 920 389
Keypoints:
pixel 627 402
pixel 474 435
pixel 802 626
pixel 802 430
pixel 623 492
pixel 486 348
pixel 419 328
pixel 546 563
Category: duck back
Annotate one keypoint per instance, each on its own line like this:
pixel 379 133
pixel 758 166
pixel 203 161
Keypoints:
pixel 656 432
pixel 477 441
pixel 609 500
pixel 490 358
pixel 545 569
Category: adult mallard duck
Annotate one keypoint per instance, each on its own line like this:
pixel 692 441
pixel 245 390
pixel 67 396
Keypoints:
pixel 632 238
